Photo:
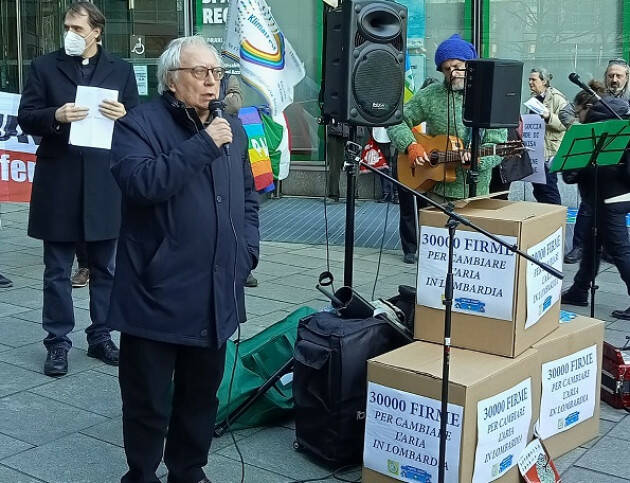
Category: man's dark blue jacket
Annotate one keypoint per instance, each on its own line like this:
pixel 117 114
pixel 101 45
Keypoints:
pixel 189 234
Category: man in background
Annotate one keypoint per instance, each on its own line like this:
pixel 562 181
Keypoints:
pixel 74 198
pixel 616 84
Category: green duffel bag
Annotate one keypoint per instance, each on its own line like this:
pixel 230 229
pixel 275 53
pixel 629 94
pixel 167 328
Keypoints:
pixel 259 358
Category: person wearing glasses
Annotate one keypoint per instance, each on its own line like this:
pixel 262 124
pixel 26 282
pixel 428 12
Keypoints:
pixel 75 198
pixel 611 218
pixel 188 240
pixel 616 85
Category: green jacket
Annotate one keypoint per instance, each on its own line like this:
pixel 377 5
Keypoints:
pixel 430 105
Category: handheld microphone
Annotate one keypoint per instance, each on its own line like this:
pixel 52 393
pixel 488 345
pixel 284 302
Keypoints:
pixel 573 77
pixel 216 110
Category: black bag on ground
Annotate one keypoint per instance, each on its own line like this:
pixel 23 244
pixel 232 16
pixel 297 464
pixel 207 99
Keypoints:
pixel 330 382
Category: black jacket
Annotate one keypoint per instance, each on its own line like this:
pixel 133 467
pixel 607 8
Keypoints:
pixel 612 180
pixel 74 194
pixel 189 234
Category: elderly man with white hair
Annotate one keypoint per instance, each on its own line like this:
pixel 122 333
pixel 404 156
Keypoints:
pixel 188 240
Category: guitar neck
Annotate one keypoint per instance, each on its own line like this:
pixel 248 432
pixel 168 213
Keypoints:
pixel 453 156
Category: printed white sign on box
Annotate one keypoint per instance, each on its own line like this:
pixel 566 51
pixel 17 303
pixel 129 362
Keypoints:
pixel 502 429
pixel 483 272
pixel 402 435
pixel 568 392
pixel 543 289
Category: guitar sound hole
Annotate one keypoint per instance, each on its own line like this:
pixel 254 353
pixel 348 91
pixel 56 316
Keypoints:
pixel 434 158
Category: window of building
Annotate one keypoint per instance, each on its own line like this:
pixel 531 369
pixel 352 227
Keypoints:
pixel 558 36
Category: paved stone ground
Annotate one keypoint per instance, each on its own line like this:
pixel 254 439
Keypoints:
pixel 68 430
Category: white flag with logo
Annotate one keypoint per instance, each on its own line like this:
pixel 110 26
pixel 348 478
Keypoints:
pixel 267 60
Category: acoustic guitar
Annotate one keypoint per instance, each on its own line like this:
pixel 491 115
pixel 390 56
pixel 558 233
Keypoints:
pixel 444 156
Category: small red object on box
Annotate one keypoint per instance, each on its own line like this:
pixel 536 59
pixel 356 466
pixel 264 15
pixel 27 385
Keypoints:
pixel 615 389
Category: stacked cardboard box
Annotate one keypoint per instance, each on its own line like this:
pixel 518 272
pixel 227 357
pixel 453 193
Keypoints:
pixel 515 371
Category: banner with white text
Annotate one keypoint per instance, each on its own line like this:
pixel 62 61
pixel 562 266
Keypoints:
pixel 17 153
pixel 483 272
pixel 402 435
pixel 534 141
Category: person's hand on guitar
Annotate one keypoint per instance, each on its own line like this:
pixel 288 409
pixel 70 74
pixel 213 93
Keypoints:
pixel 417 155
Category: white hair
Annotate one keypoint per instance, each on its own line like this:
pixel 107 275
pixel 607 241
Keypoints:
pixel 170 58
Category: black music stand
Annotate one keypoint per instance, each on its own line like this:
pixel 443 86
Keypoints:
pixel 593 145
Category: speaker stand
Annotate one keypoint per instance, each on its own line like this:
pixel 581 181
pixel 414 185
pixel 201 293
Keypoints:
pixel 472 177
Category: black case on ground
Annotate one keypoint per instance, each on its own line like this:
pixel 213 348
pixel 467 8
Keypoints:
pixel 330 382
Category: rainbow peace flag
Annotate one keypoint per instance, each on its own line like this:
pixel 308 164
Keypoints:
pixel 257 149
pixel 267 61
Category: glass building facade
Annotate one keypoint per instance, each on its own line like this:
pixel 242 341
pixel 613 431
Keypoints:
pixel 559 35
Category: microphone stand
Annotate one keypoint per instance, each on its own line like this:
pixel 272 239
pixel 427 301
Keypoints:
pixel 454 219
pixel 575 79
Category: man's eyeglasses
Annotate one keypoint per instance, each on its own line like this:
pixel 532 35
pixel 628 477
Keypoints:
pixel 617 62
pixel 200 72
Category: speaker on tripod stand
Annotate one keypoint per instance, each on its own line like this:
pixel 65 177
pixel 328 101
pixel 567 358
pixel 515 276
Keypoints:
pixel 364 69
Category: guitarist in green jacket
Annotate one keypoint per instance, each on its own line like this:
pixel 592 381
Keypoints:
pixel 431 105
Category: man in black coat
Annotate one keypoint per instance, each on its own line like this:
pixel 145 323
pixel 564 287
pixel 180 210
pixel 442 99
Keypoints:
pixel 188 239
pixel 75 197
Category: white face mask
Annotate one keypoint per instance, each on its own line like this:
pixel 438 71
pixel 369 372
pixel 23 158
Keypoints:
pixel 73 43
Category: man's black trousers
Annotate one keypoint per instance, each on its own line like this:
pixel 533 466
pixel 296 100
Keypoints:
pixel 58 311
pixel 148 370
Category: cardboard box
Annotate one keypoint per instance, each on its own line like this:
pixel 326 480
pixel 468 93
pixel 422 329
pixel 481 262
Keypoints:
pixel 571 368
pixel 491 300
pixel 402 418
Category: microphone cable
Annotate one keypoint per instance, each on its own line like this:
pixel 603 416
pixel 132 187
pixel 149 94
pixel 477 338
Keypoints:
pixel 380 251
pixel 334 474
pixel 237 343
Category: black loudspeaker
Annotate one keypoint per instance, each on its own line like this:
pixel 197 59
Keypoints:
pixel 364 75
pixel 492 93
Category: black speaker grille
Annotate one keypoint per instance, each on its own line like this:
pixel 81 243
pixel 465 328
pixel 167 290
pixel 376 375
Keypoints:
pixel 378 84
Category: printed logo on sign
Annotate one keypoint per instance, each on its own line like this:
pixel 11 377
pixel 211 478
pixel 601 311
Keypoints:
pixel 572 418
pixel 473 305
pixel 415 474
pixel 547 303
pixel 393 467
pixel 506 463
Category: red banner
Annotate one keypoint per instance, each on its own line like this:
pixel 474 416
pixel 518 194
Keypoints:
pixel 16 175
pixel 17 153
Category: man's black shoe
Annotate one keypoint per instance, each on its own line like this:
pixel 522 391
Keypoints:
pixel 251 281
pixel 575 296
pixel 171 479
pixel 574 256
pixel 621 314
pixel 105 351
pixel 5 282
pixel 56 362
